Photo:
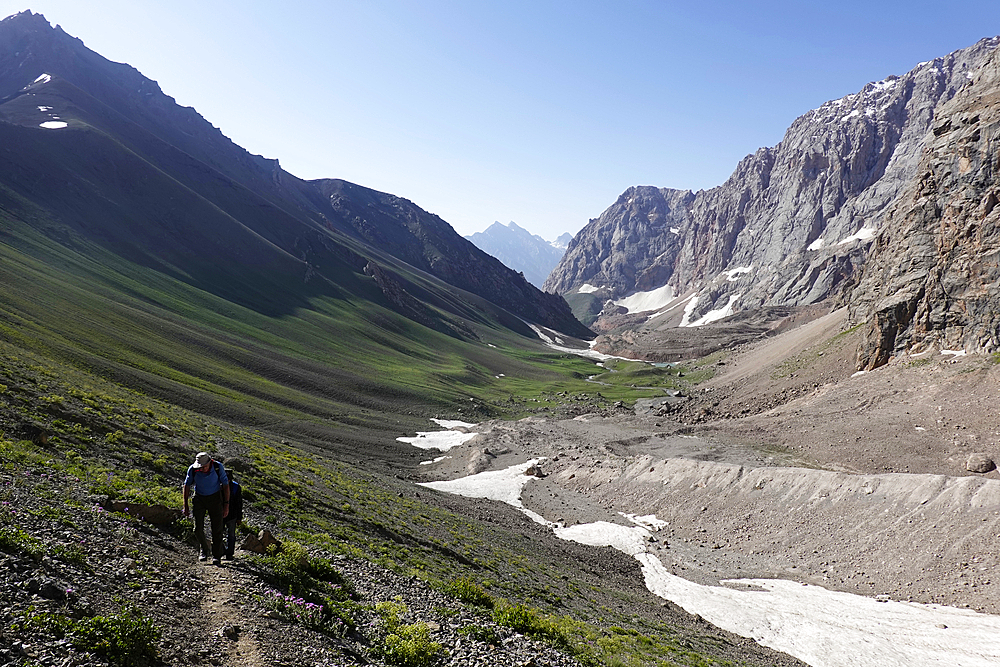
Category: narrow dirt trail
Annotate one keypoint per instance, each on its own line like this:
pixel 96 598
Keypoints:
pixel 221 617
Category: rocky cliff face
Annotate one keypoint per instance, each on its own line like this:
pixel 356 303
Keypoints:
pixel 792 223
pixel 933 276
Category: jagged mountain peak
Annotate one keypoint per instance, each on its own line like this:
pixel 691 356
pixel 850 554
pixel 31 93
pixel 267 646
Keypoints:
pixel 793 221
pixel 519 249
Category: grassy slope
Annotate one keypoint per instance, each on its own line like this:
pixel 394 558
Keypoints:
pixel 130 372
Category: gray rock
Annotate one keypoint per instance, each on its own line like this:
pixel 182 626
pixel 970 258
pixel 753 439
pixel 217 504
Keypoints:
pixel 978 462
pixel 933 280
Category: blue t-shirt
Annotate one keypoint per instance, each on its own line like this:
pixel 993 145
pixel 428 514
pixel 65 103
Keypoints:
pixel 206 483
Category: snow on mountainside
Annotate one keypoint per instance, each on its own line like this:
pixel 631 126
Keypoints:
pixel 792 224
pixel 521 250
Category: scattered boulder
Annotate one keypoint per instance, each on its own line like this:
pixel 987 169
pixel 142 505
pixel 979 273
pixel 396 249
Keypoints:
pixel 979 462
pixel 159 515
pixel 261 543
pixel 479 461
pixel 50 589
pixel 534 471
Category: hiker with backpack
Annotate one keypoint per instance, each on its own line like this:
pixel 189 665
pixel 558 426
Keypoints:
pixel 208 481
pixel 235 515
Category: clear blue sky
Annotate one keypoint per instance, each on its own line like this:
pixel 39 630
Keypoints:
pixel 541 112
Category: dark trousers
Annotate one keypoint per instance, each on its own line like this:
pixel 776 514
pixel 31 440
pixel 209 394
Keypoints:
pixel 211 505
pixel 230 537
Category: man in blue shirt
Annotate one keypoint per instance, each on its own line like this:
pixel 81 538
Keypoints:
pixel 207 479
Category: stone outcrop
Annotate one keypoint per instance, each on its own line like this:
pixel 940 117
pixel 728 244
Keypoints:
pixel 933 278
pixel 792 224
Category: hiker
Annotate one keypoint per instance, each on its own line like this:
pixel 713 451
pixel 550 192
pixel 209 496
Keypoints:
pixel 211 496
pixel 235 515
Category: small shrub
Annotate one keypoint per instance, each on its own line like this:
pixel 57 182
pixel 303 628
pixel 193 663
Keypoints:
pixel 469 592
pixel 409 646
pixel 124 639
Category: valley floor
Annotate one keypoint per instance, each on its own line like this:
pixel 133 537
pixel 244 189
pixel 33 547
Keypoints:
pixel 789 466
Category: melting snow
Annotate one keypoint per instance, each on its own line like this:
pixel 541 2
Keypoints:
pixel 652 300
pixel 441 440
pixel 648 521
pixel 732 275
pixel 712 315
pixel 53 124
pixel 863 234
pixel 587 288
pixel 437 460
pixel 503 485
pixel 688 309
pixel 589 353
pixel 451 423
pixel 820 627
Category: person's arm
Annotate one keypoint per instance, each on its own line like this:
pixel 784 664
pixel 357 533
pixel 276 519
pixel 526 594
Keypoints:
pixel 225 493
pixel 185 491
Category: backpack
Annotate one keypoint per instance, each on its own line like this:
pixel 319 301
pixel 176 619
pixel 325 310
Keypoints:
pixel 235 501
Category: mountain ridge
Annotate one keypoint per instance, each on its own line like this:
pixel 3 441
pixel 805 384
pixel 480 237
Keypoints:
pixel 520 250
pixel 288 212
pixel 792 224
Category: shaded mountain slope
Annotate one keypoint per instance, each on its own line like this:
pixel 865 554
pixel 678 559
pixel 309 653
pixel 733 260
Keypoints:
pixel 45 74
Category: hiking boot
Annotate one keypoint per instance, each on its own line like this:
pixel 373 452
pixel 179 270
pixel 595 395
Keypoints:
pixel 216 561
pixel 203 557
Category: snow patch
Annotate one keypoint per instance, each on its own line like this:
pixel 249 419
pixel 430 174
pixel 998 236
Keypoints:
pixel 53 124
pixel 732 275
pixel 815 245
pixel 43 78
pixel 688 309
pixel 675 230
pixel 587 288
pixel 502 485
pixel 441 440
pixel 452 423
pixel 957 353
pixel 863 234
pixel 820 627
pixel 714 315
pixel 437 460
pixel 643 301
pixel 45 108
pixel 648 521
pixel 589 353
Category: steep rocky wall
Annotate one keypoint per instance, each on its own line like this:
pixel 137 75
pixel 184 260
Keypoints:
pixel 799 216
pixel 933 278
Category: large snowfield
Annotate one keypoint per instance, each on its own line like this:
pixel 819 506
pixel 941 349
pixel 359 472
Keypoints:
pixel 821 627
